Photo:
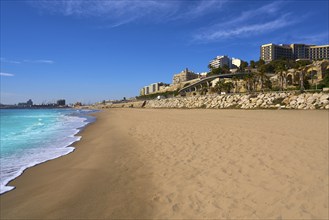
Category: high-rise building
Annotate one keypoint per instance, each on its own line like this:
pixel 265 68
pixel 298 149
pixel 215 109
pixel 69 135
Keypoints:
pixel 269 52
pixel 220 61
pixel 299 51
pixel 318 52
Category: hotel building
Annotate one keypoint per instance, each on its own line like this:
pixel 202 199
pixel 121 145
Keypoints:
pixel 269 52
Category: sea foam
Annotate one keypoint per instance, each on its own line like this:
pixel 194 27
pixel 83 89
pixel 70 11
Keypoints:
pixel 31 137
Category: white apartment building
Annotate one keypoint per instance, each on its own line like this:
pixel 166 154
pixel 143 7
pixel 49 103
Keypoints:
pixel 153 88
pixel 236 62
pixel 220 61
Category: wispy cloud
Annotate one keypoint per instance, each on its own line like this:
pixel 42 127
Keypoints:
pixel 268 9
pixel 120 12
pixel 261 20
pixel 39 61
pixel 198 9
pixel 247 30
pixel 6 74
pixel 314 38
pixel 4 60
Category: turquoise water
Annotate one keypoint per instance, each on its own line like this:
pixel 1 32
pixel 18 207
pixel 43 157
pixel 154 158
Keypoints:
pixel 32 136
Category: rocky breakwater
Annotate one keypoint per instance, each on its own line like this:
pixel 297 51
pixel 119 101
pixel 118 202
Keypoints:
pixel 277 100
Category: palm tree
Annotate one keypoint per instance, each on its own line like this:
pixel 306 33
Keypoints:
pixel 301 77
pixel 280 75
pixel 228 86
pixel 219 86
pixel 249 82
pixel 235 82
pixel 261 76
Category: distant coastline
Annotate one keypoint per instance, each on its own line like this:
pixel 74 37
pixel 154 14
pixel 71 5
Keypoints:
pixel 33 107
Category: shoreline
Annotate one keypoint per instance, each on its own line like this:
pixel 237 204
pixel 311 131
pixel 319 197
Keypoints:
pixel 89 119
pixel 145 163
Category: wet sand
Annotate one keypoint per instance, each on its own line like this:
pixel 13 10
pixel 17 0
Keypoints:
pixel 145 163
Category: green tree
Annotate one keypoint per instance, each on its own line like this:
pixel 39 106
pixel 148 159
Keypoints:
pixel 219 86
pixel 228 86
pixel 235 82
pixel 302 63
pixel 215 71
pixel 280 70
pixel 325 81
pixel 260 62
pixel 249 81
pixel 243 65
pixel 262 78
pixel 252 64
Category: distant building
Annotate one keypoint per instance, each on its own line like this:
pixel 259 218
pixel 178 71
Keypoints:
pixel 153 88
pixel 236 63
pixel 220 61
pixel 299 51
pixel 203 75
pixel 29 103
pixel 184 76
pixel 318 52
pixel 269 52
pixel 61 102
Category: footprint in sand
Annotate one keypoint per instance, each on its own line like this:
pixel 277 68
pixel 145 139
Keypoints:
pixel 175 208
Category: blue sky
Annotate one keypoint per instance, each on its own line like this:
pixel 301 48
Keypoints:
pixel 94 50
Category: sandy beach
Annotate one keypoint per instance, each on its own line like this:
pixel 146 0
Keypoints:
pixel 184 164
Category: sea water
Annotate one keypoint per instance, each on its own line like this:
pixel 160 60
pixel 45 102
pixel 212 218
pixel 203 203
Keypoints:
pixel 32 136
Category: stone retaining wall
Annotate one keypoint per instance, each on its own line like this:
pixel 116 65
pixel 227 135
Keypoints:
pixel 247 101
pixel 281 100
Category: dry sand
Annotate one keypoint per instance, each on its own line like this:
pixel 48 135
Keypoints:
pixel 144 163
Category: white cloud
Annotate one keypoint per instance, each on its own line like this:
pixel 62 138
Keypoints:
pixel 315 38
pixel 126 11
pixel 4 60
pixel 39 61
pixel 268 9
pixel 260 20
pixel 247 29
pixel 6 74
pixel 199 9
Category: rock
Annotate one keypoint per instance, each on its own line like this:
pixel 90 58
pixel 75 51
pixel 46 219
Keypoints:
pixel 324 102
pixel 310 100
pixel 300 100
pixel 259 102
pixel 324 97
pixel 293 102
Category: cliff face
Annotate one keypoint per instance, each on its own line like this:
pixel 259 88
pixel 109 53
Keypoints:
pixel 278 100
